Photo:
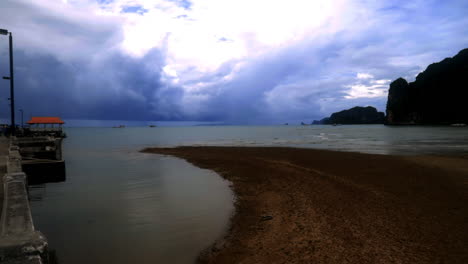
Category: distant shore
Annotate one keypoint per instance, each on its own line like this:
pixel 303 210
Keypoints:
pixel 317 206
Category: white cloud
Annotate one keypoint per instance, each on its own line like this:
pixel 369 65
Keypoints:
pixel 381 82
pixel 366 91
pixel 366 86
pixel 193 38
pixel 364 76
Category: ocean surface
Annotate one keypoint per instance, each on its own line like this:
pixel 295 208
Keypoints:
pixel 121 206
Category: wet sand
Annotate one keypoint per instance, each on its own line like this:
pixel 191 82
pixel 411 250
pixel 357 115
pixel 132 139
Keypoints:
pixel 316 206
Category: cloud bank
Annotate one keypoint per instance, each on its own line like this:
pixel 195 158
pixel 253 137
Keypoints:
pixel 218 60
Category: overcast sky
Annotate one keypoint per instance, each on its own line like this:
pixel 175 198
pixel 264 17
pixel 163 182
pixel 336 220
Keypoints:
pixel 235 61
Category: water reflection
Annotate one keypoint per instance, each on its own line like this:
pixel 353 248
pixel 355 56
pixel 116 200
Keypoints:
pixel 37 192
pixel 122 206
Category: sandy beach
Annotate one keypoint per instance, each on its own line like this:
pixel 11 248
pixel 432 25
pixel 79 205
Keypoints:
pixel 316 206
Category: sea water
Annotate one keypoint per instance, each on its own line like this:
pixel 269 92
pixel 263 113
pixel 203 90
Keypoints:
pixel 121 206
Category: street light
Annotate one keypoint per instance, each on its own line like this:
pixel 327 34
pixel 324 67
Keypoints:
pixel 12 83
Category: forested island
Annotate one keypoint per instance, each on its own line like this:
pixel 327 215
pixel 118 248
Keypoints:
pixel 355 115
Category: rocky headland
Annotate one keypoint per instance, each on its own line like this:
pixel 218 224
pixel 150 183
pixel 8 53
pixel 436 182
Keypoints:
pixel 355 115
pixel 436 97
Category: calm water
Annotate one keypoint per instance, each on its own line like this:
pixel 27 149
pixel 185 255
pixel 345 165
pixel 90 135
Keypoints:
pixel 121 206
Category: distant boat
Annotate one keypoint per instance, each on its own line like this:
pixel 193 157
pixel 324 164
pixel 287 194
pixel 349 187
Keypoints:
pixel 458 125
pixel 121 126
pixel 152 125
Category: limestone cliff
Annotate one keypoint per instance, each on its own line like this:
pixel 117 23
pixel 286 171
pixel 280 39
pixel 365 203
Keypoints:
pixel 437 96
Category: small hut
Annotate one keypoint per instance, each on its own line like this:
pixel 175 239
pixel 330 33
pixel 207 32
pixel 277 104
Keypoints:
pixel 46 125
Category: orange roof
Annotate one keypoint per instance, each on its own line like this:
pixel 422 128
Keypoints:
pixel 45 120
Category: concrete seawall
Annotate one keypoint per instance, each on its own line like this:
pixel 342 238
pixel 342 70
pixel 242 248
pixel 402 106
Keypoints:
pixel 19 241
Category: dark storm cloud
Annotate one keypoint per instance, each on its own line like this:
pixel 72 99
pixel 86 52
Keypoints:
pixel 293 84
pixel 244 97
pixel 118 87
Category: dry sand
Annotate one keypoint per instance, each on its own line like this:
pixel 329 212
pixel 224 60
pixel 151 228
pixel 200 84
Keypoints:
pixel 338 207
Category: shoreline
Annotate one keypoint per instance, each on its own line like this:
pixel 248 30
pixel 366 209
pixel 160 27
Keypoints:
pixel 307 205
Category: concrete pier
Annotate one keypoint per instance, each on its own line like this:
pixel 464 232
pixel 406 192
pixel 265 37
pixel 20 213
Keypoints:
pixel 41 158
pixel 19 241
pixel 40 147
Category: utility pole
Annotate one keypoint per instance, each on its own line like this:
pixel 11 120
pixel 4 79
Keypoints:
pixel 12 89
pixel 12 82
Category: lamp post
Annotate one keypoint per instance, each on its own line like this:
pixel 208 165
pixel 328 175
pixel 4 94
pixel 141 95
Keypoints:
pixel 12 83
